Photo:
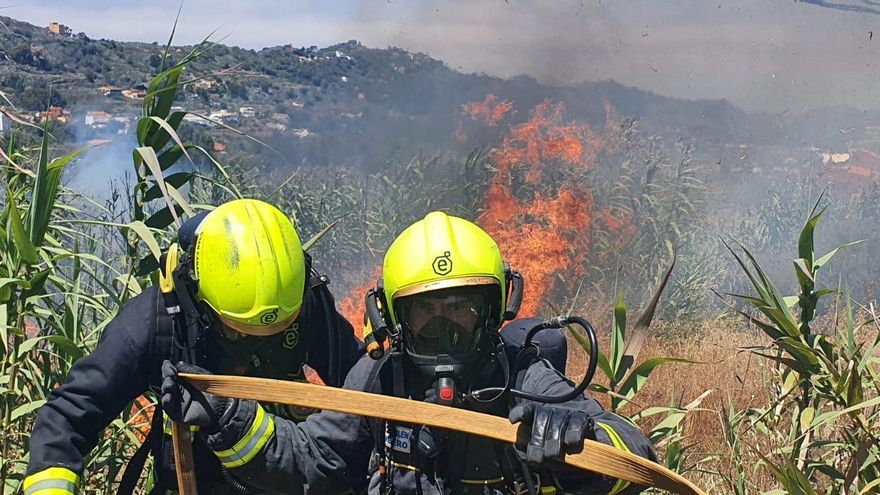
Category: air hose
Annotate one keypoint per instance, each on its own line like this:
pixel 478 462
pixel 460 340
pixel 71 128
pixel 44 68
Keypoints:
pixel 482 395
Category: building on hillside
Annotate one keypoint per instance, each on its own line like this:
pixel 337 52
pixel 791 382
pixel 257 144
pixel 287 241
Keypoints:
pixel 55 113
pixel 219 147
pixel 134 93
pixel 110 91
pixel 203 84
pixel 59 29
pixel 301 133
pixel 94 119
pixel 275 126
pixel 124 124
pixel 222 114
pixel 195 119
pixel 247 112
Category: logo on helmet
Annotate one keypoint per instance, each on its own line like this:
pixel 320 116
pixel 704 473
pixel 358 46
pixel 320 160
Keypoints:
pixel 269 317
pixel 442 264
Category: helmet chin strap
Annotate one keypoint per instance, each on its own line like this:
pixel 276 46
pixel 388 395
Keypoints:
pixel 197 322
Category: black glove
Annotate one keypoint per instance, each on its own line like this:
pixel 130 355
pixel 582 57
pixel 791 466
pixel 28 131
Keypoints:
pixel 185 403
pixel 555 430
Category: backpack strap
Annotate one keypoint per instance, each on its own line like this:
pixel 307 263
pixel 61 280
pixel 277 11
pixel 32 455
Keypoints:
pixel 168 315
pixel 383 430
pixel 335 355
pixel 138 460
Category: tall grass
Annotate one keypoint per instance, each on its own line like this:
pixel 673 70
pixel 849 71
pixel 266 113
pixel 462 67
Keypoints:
pixel 64 275
pixel 824 411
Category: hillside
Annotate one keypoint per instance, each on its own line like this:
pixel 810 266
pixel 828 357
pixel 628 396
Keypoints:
pixel 345 104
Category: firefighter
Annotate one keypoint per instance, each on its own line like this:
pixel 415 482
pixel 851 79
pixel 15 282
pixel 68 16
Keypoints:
pixel 445 292
pixel 237 296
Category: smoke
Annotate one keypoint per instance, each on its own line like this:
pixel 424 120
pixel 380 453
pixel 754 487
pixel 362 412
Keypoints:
pixel 784 62
pixel 762 55
pixel 105 169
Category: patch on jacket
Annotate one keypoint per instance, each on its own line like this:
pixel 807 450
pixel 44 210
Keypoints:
pixel 291 336
pixel 401 441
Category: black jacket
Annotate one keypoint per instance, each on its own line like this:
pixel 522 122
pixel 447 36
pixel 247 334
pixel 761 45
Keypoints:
pixel 126 363
pixel 330 452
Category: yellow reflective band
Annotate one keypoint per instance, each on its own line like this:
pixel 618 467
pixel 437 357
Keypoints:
pixel 166 425
pixel 51 481
pixel 549 490
pixel 404 466
pixel 620 445
pixel 251 443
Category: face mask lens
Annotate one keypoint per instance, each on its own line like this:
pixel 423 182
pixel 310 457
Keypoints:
pixel 444 322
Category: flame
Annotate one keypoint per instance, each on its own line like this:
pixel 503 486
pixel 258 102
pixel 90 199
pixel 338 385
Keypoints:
pixel 545 234
pixel 488 111
pixel 537 237
pixel 542 224
pixel 352 306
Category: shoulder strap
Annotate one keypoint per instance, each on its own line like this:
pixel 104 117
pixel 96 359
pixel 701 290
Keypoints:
pixel 162 342
pixel 138 460
pixel 382 430
pixel 161 348
pixel 335 354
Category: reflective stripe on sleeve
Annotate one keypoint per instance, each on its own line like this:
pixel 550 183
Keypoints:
pixel 166 425
pixel 620 445
pixel 251 443
pixel 51 481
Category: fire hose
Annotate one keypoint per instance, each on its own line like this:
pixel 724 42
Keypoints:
pixel 596 457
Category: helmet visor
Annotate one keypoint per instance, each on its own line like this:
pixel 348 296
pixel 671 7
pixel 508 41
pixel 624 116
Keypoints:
pixel 447 321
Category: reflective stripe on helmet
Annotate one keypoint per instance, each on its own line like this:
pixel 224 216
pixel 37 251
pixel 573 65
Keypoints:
pixel 51 481
pixel 251 443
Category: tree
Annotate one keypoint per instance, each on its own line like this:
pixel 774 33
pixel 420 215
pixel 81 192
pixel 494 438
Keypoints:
pixel 22 54
pixel 155 61
pixel 40 97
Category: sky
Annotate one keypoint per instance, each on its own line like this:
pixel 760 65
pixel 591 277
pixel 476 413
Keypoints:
pixel 763 55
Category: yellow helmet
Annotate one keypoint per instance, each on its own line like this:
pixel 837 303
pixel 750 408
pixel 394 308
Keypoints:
pixel 446 284
pixel 439 252
pixel 250 267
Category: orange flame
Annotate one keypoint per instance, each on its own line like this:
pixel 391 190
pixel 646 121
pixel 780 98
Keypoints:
pixel 352 306
pixel 488 111
pixel 545 235
pixel 542 227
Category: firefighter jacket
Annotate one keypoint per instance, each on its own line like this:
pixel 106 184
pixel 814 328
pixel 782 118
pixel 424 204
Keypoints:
pixel 126 363
pixel 331 452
